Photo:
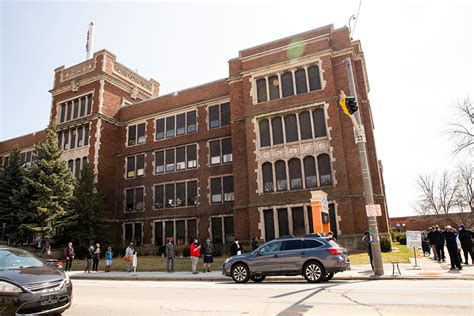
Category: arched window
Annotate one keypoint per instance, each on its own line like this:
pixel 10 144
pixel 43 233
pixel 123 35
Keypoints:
pixel 274 87
pixel 319 123
pixel 324 168
pixel 291 129
pixel 267 173
pixel 280 171
pixel 277 131
pixel 287 84
pixel 264 133
pixel 305 125
pixel 261 90
pixel 314 79
pixel 301 86
pixel 310 172
pixel 294 165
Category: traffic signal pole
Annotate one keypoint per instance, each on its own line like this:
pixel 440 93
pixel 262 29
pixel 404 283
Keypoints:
pixel 360 140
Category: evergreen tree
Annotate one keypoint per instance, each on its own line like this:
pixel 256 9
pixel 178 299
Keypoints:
pixel 11 177
pixel 47 188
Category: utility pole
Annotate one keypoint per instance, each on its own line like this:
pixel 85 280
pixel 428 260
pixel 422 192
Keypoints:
pixel 360 140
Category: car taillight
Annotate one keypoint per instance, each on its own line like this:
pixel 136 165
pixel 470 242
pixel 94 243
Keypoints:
pixel 335 251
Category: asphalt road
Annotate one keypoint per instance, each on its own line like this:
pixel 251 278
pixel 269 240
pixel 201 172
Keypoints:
pixel 391 297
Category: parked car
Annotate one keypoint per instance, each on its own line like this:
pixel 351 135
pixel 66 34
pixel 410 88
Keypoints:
pixel 313 256
pixel 29 285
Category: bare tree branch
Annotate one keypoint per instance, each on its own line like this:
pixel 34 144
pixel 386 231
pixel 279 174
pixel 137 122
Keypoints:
pixel 462 132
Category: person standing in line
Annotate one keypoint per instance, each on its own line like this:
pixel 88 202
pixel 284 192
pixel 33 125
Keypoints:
pixel 134 260
pixel 170 254
pixel 368 245
pixel 108 259
pixel 432 243
pixel 129 256
pixel 236 248
pixel 466 243
pixel 90 255
pixel 95 262
pixel 425 245
pixel 208 249
pixel 438 239
pixel 69 253
pixel 454 246
pixel 195 250
pixel 254 243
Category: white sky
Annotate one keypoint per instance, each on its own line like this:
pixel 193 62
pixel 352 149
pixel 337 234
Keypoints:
pixel 419 57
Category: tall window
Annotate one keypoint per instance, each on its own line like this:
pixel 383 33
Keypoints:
pixel 77 168
pixel 178 194
pixel 283 228
pixel 222 229
pixel 324 168
pixel 160 161
pixel 160 128
pixel 181 158
pixel 319 123
pixel 298 221
pixel 305 125
pixel 219 115
pixel 136 134
pixel 170 126
pixel 264 133
pixel 75 108
pixel 180 124
pixel 220 151
pixel 222 189
pixel 277 131
pixel 267 177
pixel 287 84
pixel 169 160
pixel 314 80
pixel 262 90
pixel 274 87
pixel 135 166
pixel 191 122
pixel 280 172
pixel 294 166
pixel 169 195
pixel 310 172
pixel 192 156
pixel 134 199
pixel 291 129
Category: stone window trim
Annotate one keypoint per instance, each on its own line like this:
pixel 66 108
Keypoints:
pixel 134 199
pixel 223 230
pixel 189 164
pixel 298 111
pixel 225 197
pixel 187 128
pixel 72 99
pixel 137 172
pixel 223 158
pixel 136 126
pixel 126 242
pixel 186 181
pixel 264 190
pixel 174 220
pixel 279 73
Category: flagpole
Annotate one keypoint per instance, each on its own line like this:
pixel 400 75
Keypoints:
pixel 90 39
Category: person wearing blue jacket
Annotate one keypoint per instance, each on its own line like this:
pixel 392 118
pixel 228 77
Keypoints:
pixel 108 259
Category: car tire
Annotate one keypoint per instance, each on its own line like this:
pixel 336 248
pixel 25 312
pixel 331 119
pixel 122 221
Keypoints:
pixel 258 278
pixel 314 272
pixel 328 277
pixel 240 273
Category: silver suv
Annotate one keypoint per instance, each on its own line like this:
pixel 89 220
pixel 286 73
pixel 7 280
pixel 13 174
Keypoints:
pixel 313 256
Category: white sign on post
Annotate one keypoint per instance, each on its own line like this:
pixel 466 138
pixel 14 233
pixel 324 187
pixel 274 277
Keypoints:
pixel 413 238
pixel 373 210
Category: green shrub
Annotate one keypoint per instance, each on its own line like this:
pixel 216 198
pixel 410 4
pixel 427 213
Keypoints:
pixel 385 244
pixel 80 252
pixel 186 252
pixel 402 240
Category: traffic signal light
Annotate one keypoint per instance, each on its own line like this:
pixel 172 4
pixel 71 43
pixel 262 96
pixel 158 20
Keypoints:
pixel 351 105
pixel 342 102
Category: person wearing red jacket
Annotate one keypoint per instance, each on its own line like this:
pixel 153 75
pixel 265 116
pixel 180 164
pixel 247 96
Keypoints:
pixel 195 253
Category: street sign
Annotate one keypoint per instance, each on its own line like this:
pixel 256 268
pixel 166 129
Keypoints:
pixel 413 238
pixel 373 210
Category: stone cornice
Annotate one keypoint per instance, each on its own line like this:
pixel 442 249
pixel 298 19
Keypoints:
pixel 131 76
pixel 78 70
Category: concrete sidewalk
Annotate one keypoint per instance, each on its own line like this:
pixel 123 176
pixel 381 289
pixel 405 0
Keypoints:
pixel 426 269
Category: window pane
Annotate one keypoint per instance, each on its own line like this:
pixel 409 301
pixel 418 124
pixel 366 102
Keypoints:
pixel 76 108
pixel 180 233
pixel 280 171
pixel 269 225
pixel 140 165
pixel 83 107
pixel 159 191
pixel 324 168
pixel 180 158
pixel 180 124
pixel 228 189
pixel 225 114
pixel 159 161
pixel 159 234
pixel 216 192
pixel 287 84
pixel 319 123
pixel 160 128
pixel 66 140
pixel 89 104
pixel 214 116
pixel 283 228
pixel 73 138
pixel 129 233
pixel 191 121
pixel 141 133
pixel 267 177
pixel 264 133
pixel 292 244
pixel 216 227
pixel 84 163
pixel 305 125
pixel 86 135
pixel 80 136
pixel 138 234
pixel 169 229
pixel 300 76
pixel 310 172
pixel 298 221
pixel 129 200
pixel 274 87
pixel 314 80
pixel 295 174
pixel 180 194
pixel 170 126
pixel 170 160
pixel 169 191
pixel 229 228
pixel 70 165
pixel 77 168
pixel 290 128
pixel 277 131
pixel 60 139
pixel 192 193
pixel 226 150
pixel 191 155
pixel 130 167
pixel 69 110
pixel 309 210
pixel 192 229
pixel 132 134
pixel 215 150
pixel 139 199
pixel 63 112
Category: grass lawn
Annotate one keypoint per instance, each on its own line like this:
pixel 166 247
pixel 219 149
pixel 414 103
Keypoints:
pixel 400 253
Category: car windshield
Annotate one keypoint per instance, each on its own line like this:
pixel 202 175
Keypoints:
pixel 16 259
